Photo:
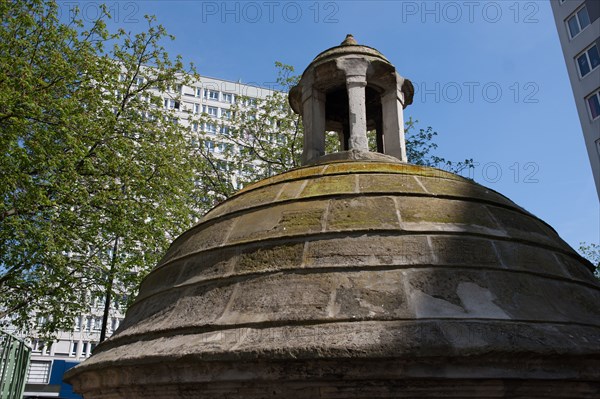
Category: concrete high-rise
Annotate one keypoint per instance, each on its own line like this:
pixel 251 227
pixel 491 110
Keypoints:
pixel 578 25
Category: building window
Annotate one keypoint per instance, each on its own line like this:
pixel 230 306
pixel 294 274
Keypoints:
pixel 225 113
pixel 221 147
pixel 89 323
pixel 196 108
pixel 210 128
pixel 74 347
pixel 250 102
pixel 138 80
pixel 212 111
pixel 578 21
pixel 224 130
pixel 198 92
pixel 228 98
pixel 97 324
pixel 78 323
pixel 194 126
pixel 175 88
pixel 209 145
pixel 39 372
pixel 171 104
pixel 84 349
pixel 593 102
pixel 588 61
pixel 211 94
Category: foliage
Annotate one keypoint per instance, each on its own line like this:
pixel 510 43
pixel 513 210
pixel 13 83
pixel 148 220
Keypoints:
pixel 592 253
pixel 95 171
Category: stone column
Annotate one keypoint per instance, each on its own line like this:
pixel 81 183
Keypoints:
pixel 393 124
pixel 313 118
pixel 357 112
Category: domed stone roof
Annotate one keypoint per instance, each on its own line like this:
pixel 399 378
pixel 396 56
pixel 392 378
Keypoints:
pixel 348 47
pixel 353 279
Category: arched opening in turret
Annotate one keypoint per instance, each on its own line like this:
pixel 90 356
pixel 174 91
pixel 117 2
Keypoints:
pixel 337 116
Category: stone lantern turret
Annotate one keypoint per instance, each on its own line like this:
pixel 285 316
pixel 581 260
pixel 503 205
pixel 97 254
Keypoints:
pixel 352 89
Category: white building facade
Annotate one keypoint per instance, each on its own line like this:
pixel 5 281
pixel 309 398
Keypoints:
pixel 578 25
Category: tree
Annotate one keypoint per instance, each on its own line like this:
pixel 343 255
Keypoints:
pixel 96 173
pixel 592 253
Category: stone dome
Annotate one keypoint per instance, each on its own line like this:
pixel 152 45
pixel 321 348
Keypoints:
pixel 348 47
pixel 354 279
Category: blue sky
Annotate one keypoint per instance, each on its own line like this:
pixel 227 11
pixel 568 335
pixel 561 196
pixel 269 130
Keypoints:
pixel 490 78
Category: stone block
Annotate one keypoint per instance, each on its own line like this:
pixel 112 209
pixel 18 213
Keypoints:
pixel 389 183
pixel 250 199
pixel 270 258
pixel 362 213
pixel 519 256
pixel 577 269
pixel 531 297
pixel 291 190
pixel 148 313
pixel 464 251
pixel 199 305
pixel 443 293
pixel 443 214
pixel 355 252
pixel 205 266
pixel 279 220
pixel 519 225
pixel 200 238
pixel 328 185
pixel 284 296
pixel 462 188
pixel 374 295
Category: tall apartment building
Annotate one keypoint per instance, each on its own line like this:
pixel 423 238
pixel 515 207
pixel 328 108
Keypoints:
pixel 578 25
pixel 49 361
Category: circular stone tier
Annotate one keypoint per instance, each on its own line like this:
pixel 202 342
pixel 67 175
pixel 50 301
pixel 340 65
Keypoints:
pixel 357 279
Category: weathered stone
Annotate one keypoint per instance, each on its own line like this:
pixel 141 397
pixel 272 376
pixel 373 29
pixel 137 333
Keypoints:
pixel 260 196
pixel 291 190
pixel 365 250
pixel 208 265
pixel 362 213
pixel 385 183
pixel 461 188
pixel 279 220
pixel 521 226
pixel 199 238
pixel 464 251
pixel 329 185
pixel 272 258
pixel 446 215
pixel 576 269
pixel 262 299
pixel 530 258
